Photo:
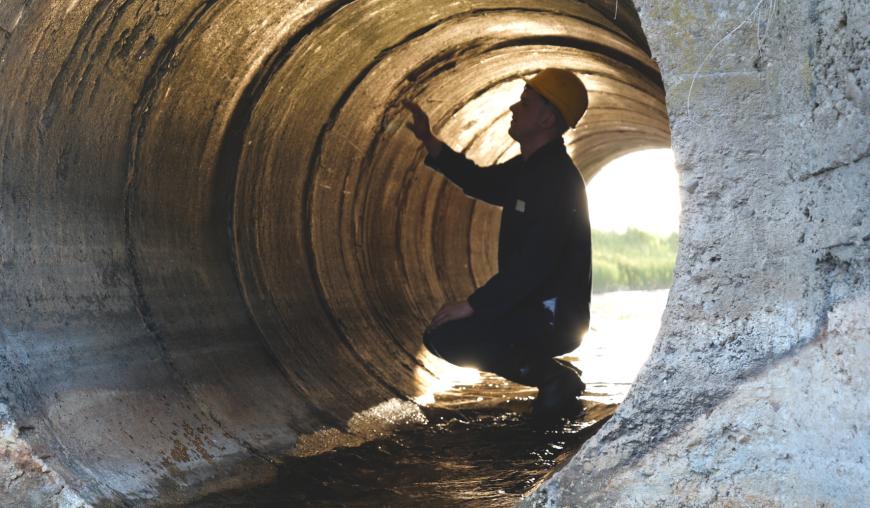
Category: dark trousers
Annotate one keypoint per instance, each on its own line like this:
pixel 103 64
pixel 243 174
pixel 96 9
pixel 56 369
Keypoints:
pixel 519 346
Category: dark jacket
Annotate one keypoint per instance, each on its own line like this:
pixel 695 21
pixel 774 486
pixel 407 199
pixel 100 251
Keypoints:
pixel 544 243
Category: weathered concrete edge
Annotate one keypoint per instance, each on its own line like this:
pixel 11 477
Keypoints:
pixel 25 476
pixel 784 87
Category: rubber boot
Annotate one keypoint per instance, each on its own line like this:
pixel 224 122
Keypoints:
pixel 558 394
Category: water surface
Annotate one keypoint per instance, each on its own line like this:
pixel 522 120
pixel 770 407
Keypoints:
pixel 475 444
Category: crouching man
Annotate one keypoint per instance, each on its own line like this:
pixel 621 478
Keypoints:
pixel 537 306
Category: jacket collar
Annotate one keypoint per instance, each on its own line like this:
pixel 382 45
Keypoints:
pixel 547 152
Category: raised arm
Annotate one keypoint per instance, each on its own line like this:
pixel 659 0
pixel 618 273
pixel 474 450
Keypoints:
pixel 488 184
pixel 421 129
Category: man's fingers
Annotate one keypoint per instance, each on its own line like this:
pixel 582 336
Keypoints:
pixel 413 106
pixel 416 111
pixel 438 319
pixel 447 313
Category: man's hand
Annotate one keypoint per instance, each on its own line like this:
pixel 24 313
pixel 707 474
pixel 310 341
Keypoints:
pixel 450 312
pixel 421 129
pixel 420 125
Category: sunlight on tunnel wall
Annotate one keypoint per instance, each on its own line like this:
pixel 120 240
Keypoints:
pixel 224 231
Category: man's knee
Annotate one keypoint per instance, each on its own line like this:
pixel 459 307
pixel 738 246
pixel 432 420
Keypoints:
pixel 438 339
pixel 453 340
pixel 430 340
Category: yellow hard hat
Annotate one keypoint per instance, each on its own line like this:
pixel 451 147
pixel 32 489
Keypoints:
pixel 564 90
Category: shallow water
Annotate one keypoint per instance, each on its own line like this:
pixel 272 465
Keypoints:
pixel 476 443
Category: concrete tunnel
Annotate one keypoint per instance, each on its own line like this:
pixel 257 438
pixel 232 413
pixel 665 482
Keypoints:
pixel 217 236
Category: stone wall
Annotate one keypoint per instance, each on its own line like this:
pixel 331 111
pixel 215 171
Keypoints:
pixel 755 393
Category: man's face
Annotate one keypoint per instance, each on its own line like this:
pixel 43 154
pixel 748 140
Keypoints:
pixel 530 115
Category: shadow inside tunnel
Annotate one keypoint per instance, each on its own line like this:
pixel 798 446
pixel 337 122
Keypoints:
pixel 479 446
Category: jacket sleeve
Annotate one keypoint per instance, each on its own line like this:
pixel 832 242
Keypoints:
pixel 551 218
pixel 489 184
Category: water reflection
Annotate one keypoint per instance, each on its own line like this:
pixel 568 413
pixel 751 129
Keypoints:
pixel 624 328
pixel 620 339
pixel 479 449
pixel 474 443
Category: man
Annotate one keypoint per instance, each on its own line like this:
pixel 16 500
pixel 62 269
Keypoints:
pixel 537 306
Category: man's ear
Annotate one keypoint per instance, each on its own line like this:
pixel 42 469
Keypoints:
pixel 547 118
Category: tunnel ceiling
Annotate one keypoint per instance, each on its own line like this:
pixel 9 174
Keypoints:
pixel 219 234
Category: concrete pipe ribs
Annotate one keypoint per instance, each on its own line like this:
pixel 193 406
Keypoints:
pixel 217 235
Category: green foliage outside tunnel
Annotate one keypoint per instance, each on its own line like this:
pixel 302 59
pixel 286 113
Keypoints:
pixel 634 260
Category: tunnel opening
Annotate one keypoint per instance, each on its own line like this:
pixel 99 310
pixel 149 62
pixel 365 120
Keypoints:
pixel 223 232
pixel 634 204
pixel 634 209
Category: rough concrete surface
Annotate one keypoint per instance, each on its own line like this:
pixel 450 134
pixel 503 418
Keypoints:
pixel 755 393
pixel 218 246
pixel 25 480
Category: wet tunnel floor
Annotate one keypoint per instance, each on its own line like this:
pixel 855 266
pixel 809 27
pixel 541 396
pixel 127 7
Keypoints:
pixel 477 445
pixel 473 452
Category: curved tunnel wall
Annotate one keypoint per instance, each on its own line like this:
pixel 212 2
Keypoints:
pixel 217 235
